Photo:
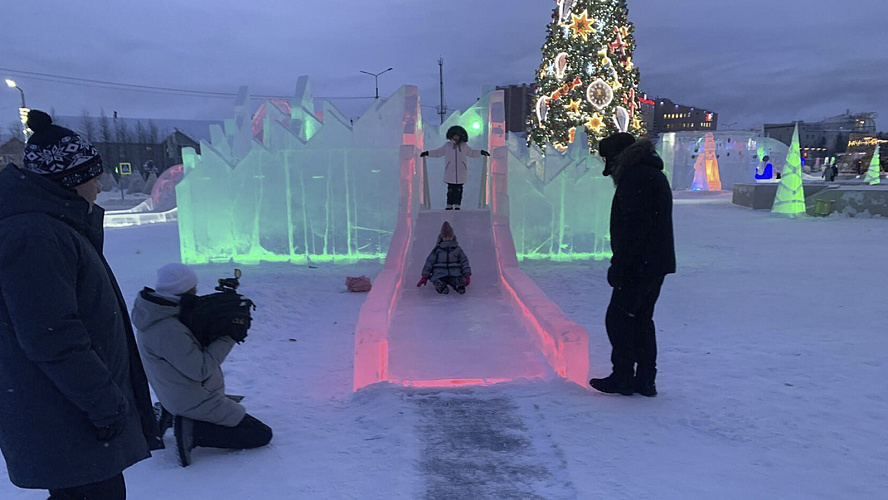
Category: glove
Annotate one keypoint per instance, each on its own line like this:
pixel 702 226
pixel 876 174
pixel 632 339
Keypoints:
pixel 422 281
pixel 238 335
pixel 620 279
pixel 108 432
pixel 423 154
pixel 468 279
pixel 484 153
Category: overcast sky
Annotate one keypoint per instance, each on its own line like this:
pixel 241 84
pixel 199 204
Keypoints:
pixel 753 61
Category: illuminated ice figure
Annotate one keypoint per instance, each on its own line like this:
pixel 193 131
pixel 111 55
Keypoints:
pixel 872 175
pixel 706 176
pixel 314 186
pixel 737 158
pixel 559 203
pixel 790 199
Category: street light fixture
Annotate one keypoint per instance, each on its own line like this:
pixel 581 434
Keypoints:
pixel 376 78
pixel 23 111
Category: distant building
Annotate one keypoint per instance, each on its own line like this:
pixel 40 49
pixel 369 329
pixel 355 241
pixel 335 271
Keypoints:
pixel 647 107
pixel 672 117
pixel 518 100
pixel 144 144
pixel 826 138
pixel 11 151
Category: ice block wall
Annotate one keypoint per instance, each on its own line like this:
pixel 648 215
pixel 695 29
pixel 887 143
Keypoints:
pixel 307 185
pixel 559 201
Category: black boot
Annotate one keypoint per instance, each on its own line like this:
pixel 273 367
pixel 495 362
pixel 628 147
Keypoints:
pixel 648 389
pixel 441 287
pixel 164 420
pixel 613 384
pixel 183 428
pixel 644 382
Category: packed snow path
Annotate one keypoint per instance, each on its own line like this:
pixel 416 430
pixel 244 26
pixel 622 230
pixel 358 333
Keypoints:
pixel 477 446
pixel 436 337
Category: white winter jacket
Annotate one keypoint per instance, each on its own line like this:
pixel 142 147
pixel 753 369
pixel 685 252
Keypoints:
pixel 186 378
pixel 455 168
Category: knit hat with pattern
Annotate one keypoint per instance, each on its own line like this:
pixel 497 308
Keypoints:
pixel 59 154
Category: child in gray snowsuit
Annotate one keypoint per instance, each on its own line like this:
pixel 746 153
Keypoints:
pixel 447 264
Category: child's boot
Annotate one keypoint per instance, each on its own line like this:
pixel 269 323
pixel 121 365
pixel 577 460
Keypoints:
pixel 449 207
pixel 441 287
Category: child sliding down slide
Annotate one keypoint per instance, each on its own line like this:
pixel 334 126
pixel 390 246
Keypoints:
pixel 447 264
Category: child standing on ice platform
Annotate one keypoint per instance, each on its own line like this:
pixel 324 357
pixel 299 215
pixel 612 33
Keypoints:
pixel 447 264
pixel 455 152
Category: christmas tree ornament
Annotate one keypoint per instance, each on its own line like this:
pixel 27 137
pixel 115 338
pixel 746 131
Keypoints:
pixel 542 109
pixel 581 25
pixel 560 64
pixel 600 94
pixel 564 7
pixel 621 119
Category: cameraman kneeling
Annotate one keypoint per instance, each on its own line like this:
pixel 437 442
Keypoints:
pixel 187 377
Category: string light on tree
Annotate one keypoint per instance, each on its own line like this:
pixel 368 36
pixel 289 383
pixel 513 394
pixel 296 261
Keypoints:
pixel 596 57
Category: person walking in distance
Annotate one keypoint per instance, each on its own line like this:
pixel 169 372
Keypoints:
pixel 643 254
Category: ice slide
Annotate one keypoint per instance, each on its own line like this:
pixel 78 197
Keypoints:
pixel 504 328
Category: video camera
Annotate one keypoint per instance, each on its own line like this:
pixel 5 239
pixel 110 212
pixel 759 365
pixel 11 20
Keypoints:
pixel 220 314
pixel 229 284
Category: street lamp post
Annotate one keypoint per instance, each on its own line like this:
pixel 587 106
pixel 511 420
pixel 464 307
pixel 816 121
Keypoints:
pixel 376 78
pixel 23 111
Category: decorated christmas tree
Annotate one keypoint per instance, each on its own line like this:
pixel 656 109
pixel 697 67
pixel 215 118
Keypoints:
pixel 587 77
pixel 872 175
pixel 790 199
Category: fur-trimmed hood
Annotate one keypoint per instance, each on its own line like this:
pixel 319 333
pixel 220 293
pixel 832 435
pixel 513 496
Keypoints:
pixel 642 152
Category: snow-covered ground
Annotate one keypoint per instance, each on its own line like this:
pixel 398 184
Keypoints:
pixel 772 343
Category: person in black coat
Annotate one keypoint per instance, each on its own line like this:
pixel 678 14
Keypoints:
pixel 75 410
pixel 643 254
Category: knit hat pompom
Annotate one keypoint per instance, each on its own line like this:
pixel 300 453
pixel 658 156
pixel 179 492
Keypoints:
pixel 38 121
pixel 447 230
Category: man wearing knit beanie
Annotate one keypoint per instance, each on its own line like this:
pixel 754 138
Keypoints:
pixel 75 410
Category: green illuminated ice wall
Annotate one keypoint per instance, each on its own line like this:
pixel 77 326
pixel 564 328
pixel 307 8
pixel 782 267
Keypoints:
pixel 315 188
pixel 559 203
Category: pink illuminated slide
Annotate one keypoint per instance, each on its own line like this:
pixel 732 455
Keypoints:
pixel 503 329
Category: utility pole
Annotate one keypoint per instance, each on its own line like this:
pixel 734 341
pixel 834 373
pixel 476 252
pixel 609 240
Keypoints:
pixel 442 109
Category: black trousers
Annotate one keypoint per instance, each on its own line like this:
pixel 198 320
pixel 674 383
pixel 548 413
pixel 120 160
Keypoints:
pixel 631 330
pixel 109 489
pixel 454 194
pixel 249 433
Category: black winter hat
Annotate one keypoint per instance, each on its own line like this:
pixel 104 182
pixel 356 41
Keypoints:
pixel 456 129
pixel 59 154
pixel 611 146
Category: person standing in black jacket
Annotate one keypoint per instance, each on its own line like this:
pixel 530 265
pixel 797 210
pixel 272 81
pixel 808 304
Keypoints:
pixel 643 254
pixel 75 410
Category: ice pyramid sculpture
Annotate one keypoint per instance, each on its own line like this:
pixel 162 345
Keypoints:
pixel 297 183
pixel 790 199
pixel 873 174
